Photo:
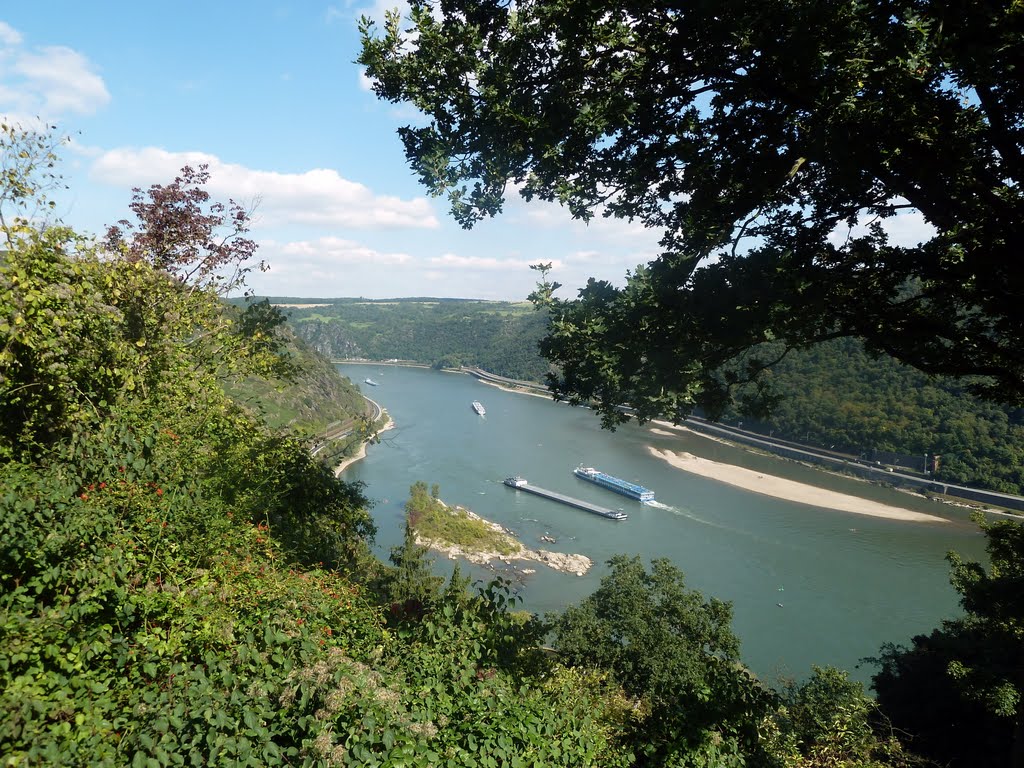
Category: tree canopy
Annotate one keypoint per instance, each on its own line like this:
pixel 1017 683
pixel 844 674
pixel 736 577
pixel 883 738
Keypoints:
pixel 960 689
pixel 754 137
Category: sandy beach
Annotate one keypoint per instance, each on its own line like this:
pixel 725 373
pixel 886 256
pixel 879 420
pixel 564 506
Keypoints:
pixel 780 488
pixel 515 390
pixel 677 428
pixel 361 453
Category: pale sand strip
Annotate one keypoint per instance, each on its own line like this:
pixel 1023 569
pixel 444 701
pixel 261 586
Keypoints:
pixel 361 453
pixel 780 488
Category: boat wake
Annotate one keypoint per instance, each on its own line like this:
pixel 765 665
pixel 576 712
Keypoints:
pixel 659 505
pixel 686 513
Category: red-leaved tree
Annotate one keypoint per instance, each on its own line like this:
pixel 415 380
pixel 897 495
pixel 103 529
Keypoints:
pixel 202 244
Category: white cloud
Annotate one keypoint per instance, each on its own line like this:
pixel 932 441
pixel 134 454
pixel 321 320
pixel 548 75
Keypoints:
pixel 47 81
pixel 582 256
pixel 326 252
pixel 9 35
pixel 319 197
pixel 450 261
pixel 335 266
pixel 907 228
pixel 548 215
pixel 378 10
pixel 65 80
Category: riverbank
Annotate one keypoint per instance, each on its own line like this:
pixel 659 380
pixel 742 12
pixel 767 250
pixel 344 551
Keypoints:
pixel 789 490
pixel 758 482
pixel 361 452
pixel 514 550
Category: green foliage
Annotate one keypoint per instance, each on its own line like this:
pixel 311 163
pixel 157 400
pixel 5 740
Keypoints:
pixel 144 621
pixel 453 693
pixel 836 395
pixel 675 653
pixel 754 138
pixel 28 159
pixel 434 520
pixel 960 690
pixel 829 720
pixel 82 334
pixel 411 586
pixel 497 336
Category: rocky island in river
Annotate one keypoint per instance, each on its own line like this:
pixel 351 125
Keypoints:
pixel 457 532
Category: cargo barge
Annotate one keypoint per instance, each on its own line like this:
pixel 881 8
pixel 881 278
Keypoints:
pixel 520 484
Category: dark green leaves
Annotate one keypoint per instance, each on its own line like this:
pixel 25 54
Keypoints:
pixel 753 136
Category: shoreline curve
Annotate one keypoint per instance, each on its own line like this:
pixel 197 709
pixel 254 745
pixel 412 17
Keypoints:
pixel 789 490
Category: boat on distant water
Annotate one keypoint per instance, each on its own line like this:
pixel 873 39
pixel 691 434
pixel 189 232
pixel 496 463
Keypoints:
pixel 371 382
pixel 624 487
pixel 479 408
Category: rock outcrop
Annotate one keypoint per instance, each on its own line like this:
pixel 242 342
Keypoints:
pixel 577 565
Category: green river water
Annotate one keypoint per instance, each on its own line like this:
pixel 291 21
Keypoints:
pixel 808 585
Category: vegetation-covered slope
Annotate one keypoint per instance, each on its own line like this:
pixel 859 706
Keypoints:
pixel 833 395
pixel 182 584
pixel 836 395
pixel 497 336
pixel 311 398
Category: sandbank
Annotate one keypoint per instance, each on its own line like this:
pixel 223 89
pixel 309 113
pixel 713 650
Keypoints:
pixel 790 490
pixel 679 428
pixel 516 390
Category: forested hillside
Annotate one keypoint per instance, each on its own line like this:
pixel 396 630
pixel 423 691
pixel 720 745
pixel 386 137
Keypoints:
pixel 309 399
pixel 835 395
pixel 832 395
pixel 500 337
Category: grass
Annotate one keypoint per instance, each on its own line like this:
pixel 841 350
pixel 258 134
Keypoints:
pixel 451 525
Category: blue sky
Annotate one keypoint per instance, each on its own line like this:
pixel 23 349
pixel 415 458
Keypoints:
pixel 268 95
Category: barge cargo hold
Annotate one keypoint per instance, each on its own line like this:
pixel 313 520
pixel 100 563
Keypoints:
pixel 520 484
pixel 624 487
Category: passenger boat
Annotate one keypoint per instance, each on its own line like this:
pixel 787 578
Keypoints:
pixel 616 484
pixel 479 408
pixel 371 382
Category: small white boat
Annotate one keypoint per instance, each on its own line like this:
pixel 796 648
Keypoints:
pixel 479 408
pixel 371 382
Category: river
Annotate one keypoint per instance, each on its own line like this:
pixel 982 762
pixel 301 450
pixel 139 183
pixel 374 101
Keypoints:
pixel 808 585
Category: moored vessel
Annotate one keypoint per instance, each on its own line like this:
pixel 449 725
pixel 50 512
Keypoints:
pixel 616 484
